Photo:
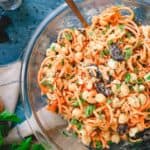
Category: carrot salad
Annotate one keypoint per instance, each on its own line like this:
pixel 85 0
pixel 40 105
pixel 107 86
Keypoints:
pixel 98 78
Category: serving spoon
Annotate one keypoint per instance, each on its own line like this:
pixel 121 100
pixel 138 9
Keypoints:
pixel 76 11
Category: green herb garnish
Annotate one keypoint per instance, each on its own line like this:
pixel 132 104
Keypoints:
pixel 128 53
pixel 77 123
pixel 147 77
pixel 98 145
pixel 121 27
pixel 49 65
pixel 47 84
pixel 91 33
pixel 136 70
pixel 7 116
pixel 62 62
pixel 127 77
pixel 89 110
pixel 52 47
pixel 128 34
pixel 68 36
pixel 110 42
pixel 65 133
pixel 109 101
pixel 118 86
pixel 75 134
pixel 81 100
pixel 76 104
pixel 110 142
pixel 104 52
pixel 140 81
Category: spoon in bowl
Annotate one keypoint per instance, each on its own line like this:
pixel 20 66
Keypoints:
pixel 76 11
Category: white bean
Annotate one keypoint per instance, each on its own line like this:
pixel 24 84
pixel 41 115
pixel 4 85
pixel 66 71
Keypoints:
pixel 100 98
pixel 115 138
pixel 123 118
pixel 133 131
pixel 124 89
pixel 134 101
pixel 142 98
pixel 77 113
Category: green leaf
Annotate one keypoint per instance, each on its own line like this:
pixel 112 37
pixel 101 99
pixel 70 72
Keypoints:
pixel 110 42
pixel 81 99
pixel 128 53
pixel 118 86
pixel 76 104
pixel 91 33
pixel 121 27
pixel 7 116
pixel 128 34
pixel 89 110
pixel 37 147
pixel 105 52
pixel 140 81
pixel 68 36
pixel 65 133
pixel 52 47
pixel 1 139
pixel 77 123
pixel 75 134
pixel 147 77
pixel 48 84
pixel 109 101
pixel 98 145
pixel 127 77
pixel 62 62
pixel 25 144
pixel 110 142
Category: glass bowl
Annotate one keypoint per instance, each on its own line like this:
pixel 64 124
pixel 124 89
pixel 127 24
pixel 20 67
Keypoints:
pixel 46 126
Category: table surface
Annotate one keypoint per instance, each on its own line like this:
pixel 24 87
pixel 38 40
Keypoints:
pixel 24 22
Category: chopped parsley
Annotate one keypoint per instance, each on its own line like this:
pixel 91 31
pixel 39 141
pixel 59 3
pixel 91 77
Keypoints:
pixel 65 133
pixel 62 62
pixel 91 33
pixel 140 81
pixel 76 104
pixel 53 47
pixel 121 27
pixel 47 84
pixel 118 86
pixel 136 70
pixel 110 42
pixel 109 101
pixel 127 77
pixel 77 123
pixel 89 110
pixel 49 65
pixel 98 145
pixel 147 77
pixel 75 134
pixel 128 34
pixel 68 36
pixel 128 53
pixel 106 29
pixel 104 52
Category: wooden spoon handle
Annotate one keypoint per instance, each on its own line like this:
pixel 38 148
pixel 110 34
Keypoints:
pixel 74 8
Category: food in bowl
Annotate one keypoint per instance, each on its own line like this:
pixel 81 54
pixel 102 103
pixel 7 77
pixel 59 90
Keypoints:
pixel 98 78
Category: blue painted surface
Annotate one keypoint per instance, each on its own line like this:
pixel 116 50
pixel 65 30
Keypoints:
pixel 25 20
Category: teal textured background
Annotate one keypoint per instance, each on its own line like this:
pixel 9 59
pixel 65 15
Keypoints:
pixel 24 22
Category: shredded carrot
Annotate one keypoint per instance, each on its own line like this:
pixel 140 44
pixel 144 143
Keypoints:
pixel 53 107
